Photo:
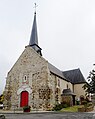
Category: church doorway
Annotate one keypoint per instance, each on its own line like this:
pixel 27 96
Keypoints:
pixel 24 98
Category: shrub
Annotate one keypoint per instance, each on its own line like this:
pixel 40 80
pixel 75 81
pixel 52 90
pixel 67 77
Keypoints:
pixel 26 107
pixel 84 102
pixel 89 104
pixel 59 107
pixel 77 102
pixel 65 105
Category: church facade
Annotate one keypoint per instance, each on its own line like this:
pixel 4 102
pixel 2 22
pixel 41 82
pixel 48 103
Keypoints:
pixel 35 82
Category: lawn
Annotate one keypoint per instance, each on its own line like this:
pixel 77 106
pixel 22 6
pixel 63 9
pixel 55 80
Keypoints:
pixel 71 109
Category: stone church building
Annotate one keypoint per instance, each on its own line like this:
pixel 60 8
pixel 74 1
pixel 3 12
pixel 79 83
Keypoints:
pixel 35 82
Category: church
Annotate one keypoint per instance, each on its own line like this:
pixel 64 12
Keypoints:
pixel 35 82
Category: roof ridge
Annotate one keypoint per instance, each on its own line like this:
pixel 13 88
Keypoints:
pixel 71 70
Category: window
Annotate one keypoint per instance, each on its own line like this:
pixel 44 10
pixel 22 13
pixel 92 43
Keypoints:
pixel 67 86
pixel 25 79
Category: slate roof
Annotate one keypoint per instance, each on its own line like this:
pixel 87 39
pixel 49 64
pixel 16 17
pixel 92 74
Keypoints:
pixel 34 36
pixel 56 71
pixel 75 76
pixel 67 92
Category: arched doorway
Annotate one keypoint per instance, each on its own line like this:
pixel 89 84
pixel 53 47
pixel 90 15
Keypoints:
pixel 24 98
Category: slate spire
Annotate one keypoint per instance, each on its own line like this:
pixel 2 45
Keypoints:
pixel 34 36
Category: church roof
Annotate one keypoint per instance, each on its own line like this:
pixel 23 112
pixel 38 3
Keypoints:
pixel 56 71
pixel 75 76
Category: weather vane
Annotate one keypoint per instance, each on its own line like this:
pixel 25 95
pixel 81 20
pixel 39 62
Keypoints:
pixel 35 7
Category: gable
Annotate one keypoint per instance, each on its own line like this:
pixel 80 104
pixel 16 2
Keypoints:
pixel 29 60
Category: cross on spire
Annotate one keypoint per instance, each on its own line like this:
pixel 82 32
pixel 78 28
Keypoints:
pixel 34 36
pixel 35 7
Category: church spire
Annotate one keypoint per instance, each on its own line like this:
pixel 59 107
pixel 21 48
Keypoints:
pixel 34 36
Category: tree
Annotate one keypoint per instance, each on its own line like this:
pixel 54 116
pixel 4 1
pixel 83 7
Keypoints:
pixel 90 86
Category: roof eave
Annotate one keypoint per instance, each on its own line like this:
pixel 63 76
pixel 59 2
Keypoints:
pixel 59 76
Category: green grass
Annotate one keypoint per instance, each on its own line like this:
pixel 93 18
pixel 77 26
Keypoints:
pixel 71 109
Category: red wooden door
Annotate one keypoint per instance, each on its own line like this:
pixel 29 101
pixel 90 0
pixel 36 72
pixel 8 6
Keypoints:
pixel 24 99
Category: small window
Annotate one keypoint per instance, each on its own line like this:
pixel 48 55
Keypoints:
pixel 25 78
pixel 67 86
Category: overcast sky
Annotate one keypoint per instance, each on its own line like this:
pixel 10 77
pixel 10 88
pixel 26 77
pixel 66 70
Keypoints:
pixel 66 32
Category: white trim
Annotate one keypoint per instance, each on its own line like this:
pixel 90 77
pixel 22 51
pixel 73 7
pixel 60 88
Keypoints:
pixel 24 88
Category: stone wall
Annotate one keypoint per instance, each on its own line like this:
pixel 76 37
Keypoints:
pixel 30 70
pixel 57 85
pixel 78 90
pixel 67 100
pixel 54 86
pixel 64 85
